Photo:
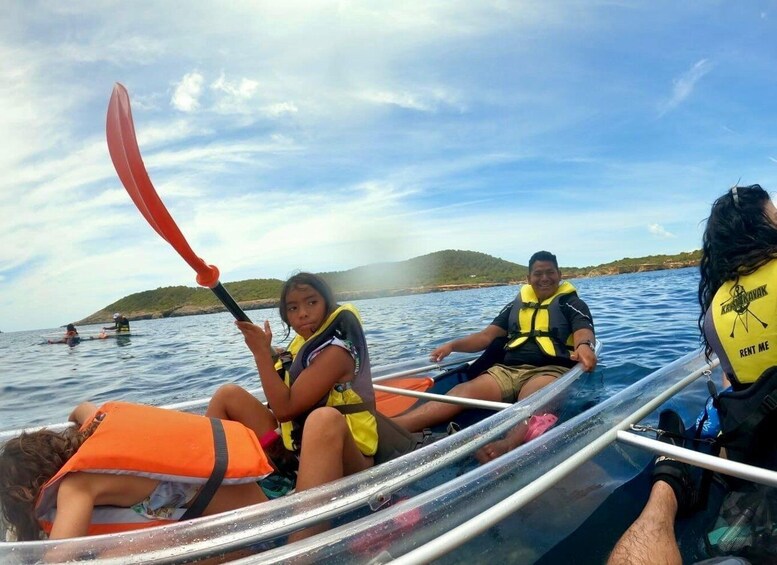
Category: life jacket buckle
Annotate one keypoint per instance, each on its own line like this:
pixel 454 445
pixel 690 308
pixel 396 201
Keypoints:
pixel 769 403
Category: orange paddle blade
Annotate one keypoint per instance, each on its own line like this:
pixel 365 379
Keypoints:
pixel 390 404
pixel 125 154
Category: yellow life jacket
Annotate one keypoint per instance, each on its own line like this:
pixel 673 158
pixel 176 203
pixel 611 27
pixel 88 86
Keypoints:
pixel 160 444
pixel 541 321
pixel 355 399
pixel 744 317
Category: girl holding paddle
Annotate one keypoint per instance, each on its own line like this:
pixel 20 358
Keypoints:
pixel 319 389
pixel 323 379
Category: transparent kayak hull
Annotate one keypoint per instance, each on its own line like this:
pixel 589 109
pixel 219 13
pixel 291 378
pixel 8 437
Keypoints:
pixel 255 527
pixel 437 522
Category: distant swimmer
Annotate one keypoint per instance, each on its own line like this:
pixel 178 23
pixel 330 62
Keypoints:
pixel 120 323
pixel 71 336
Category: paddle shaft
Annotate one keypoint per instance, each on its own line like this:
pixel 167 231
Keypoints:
pixel 227 300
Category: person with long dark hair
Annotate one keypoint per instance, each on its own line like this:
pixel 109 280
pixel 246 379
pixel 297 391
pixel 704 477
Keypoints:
pixel 124 467
pixel 319 390
pixel 740 240
pixel 738 322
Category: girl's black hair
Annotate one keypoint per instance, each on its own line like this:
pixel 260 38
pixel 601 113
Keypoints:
pixel 739 238
pixel 313 281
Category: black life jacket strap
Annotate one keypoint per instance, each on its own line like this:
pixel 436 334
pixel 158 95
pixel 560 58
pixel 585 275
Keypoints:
pixel 757 409
pixel 535 306
pixel 299 422
pixel 354 408
pixel 221 460
pixel 533 333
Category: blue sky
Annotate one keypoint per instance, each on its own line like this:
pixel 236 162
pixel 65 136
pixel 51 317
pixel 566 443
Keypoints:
pixel 328 135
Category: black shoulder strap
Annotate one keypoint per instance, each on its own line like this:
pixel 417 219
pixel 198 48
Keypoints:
pixel 221 460
pixel 743 412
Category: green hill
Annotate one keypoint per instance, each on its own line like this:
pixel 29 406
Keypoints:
pixel 449 267
pixel 442 270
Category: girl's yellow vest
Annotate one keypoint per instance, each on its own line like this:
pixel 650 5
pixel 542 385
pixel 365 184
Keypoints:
pixel 356 399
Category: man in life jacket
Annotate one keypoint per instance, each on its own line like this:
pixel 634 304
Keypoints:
pixel 120 323
pixel 536 338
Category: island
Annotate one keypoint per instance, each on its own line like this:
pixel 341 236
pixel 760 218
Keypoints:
pixel 440 271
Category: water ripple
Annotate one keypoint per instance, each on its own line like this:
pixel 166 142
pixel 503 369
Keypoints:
pixel 645 321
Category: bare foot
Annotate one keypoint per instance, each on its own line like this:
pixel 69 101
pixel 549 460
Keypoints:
pixel 492 450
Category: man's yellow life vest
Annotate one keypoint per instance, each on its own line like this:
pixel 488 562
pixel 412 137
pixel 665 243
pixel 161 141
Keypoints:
pixel 542 321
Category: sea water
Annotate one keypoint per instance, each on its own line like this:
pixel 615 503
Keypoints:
pixel 645 320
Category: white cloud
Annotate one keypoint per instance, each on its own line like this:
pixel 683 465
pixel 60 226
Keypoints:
pixel 659 230
pixel 134 49
pixel 432 100
pixel 187 92
pixel 685 83
pixel 241 90
pixel 234 97
pixel 332 134
pixel 280 109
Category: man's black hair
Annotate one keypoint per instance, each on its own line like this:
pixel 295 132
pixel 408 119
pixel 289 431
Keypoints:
pixel 543 256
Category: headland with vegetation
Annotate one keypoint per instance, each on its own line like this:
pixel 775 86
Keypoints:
pixel 436 272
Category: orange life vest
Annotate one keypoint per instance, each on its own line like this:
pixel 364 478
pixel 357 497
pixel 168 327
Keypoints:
pixel 157 443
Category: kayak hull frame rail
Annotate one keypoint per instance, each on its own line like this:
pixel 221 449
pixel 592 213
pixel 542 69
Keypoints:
pixel 238 529
pixel 455 512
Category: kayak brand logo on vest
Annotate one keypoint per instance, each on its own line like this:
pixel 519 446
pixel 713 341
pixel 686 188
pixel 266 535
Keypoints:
pixel 740 303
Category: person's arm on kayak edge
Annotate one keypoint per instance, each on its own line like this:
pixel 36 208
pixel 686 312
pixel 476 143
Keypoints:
pixel 471 343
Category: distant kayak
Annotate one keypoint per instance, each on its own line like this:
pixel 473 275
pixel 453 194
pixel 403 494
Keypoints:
pixel 107 334
pixel 51 339
pixel 71 341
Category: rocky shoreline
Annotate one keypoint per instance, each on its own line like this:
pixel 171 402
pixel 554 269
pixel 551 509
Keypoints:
pixel 105 316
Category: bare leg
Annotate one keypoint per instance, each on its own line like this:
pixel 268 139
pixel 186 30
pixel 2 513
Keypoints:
pixel 483 387
pixel 650 540
pixel 534 384
pixel 517 435
pixel 513 439
pixel 230 497
pixel 233 402
pixel 328 452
